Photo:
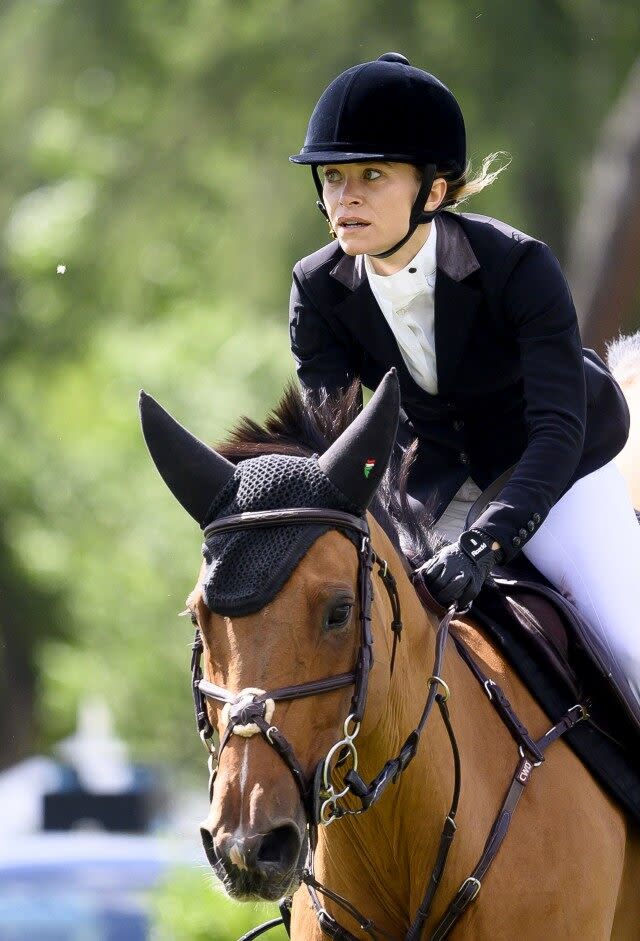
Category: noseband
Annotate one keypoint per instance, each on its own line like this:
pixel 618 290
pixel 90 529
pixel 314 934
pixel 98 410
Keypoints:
pixel 250 712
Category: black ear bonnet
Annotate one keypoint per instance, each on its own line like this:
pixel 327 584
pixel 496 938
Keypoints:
pixel 247 568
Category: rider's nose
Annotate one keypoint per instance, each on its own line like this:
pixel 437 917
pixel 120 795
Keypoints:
pixel 349 196
pixel 261 854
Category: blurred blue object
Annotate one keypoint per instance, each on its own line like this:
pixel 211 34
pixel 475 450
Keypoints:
pixel 82 886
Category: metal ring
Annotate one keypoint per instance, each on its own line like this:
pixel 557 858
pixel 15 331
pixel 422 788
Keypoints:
pixel 333 812
pixel 536 764
pixel 327 770
pixel 438 679
pixel 207 741
pixel 272 728
pixel 356 728
pixel 486 688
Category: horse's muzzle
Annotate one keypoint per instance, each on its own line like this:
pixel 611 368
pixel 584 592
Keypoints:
pixel 257 865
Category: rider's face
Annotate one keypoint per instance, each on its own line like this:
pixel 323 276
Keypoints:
pixel 369 203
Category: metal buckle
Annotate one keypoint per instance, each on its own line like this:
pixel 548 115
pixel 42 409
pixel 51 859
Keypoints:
pixel 584 712
pixel 471 879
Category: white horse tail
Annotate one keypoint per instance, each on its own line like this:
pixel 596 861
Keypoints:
pixel 623 358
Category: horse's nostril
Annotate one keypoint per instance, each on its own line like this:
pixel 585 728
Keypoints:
pixel 281 847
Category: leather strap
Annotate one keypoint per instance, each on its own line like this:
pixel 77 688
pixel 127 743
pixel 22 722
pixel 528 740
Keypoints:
pixel 313 688
pixel 262 929
pixel 501 704
pixel 485 498
pixel 292 516
pixel 522 775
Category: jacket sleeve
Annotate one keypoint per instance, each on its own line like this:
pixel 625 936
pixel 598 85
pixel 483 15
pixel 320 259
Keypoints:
pixel 322 361
pixel 539 311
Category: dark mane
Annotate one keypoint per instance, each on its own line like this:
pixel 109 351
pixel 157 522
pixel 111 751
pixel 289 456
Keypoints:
pixel 306 423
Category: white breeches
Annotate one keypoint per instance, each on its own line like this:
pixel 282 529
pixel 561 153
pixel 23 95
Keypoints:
pixel 588 547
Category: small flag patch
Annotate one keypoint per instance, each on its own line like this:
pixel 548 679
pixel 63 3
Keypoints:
pixel 368 467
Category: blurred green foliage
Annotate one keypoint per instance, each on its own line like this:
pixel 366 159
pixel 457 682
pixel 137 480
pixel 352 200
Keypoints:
pixel 144 146
pixel 186 907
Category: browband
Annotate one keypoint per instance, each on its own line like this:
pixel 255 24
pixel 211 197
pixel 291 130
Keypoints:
pixel 291 515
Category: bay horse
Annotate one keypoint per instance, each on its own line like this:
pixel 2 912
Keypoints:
pixel 274 682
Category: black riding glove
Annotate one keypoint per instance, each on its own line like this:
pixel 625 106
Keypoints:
pixel 457 572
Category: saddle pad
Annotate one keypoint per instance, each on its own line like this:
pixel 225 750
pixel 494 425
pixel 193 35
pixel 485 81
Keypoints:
pixel 608 743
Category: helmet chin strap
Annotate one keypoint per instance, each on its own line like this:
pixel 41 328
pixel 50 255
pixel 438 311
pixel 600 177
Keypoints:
pixel 417 217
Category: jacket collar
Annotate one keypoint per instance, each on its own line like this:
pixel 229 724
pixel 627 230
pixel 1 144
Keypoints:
pixel 454 255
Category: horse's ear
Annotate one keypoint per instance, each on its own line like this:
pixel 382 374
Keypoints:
pixel 193 472
pixel 356 462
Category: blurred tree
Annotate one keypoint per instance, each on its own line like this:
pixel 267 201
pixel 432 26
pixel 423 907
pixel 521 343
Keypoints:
pixel 606 239
pixel 145 147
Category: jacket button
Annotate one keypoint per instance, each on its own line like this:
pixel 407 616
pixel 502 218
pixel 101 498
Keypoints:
pixel 458 424
pixel 516 541
pixel 523 533
pixel 531 526
pixel 464 457
pixel 536 518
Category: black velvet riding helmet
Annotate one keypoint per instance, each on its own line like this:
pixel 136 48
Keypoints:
pixel 387 110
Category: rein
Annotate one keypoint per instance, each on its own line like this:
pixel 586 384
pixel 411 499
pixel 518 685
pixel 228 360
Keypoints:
pixel 250 712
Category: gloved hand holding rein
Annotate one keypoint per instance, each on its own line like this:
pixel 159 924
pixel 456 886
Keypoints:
pixel 457 572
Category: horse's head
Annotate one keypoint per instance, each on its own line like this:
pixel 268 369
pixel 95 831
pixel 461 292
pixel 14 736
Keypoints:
pixel 281 601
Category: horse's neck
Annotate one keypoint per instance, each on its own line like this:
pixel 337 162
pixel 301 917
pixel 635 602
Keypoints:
pixel 361 856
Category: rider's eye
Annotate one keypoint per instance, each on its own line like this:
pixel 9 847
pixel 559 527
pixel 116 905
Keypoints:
pixel 338 615
pixel 331 175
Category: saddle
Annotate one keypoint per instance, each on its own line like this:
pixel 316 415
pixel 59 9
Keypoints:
pixel 561 662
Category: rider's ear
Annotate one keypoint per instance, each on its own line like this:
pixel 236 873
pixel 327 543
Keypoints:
pixel 356 462
pixel 194 473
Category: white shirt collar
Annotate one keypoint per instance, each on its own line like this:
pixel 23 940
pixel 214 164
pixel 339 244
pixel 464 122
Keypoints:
pixel 416 277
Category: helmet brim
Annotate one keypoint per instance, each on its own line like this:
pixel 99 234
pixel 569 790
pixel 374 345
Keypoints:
pixel 320 157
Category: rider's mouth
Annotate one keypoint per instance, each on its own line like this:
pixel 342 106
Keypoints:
pixel 352 224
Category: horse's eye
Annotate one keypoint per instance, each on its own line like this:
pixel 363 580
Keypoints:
pixel 338 615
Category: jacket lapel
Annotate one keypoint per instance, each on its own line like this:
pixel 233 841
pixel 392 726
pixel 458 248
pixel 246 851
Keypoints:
pixel 456 304
pixel 456 300
pixel 360 313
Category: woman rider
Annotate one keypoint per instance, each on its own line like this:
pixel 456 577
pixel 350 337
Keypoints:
pixel 479 322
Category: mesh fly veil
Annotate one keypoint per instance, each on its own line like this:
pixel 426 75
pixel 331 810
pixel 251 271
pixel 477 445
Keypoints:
pixel 247 568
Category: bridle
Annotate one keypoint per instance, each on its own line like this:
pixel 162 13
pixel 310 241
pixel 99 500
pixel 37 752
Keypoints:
pixel 250 712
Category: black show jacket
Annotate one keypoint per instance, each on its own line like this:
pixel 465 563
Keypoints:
pixel 515 385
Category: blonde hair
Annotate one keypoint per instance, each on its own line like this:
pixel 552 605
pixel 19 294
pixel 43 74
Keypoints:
pixel 460 188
